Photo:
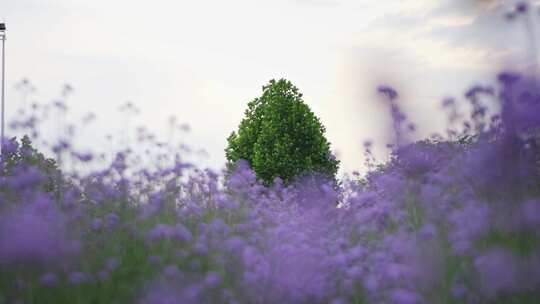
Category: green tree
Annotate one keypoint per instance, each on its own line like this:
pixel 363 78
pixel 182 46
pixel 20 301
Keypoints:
pixel 281 137
pixel 24 157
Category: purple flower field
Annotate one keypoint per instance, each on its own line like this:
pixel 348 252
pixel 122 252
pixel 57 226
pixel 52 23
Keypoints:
pixel 453 220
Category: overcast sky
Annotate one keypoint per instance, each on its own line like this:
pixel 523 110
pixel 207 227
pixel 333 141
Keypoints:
pixel 203 61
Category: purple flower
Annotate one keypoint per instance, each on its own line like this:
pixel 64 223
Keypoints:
pixel 530 213
pixel 182 233
pixel 29 239
pixel 458 291
pixel 403 296
pixel 25 178
pixel 388 92
pixel 234 244
pixel 111 219
pixel 522 7
pixel 96 224
pixel 48 280
pixel 200 248
pixel 355 273
pixel 172 271
pixel 77 278
pixel 160 232
pixel 339 301
pixel 357 252
pixel 394 272
pixel 428 231
pixel 508 78
pixel 372 283
pixel 219 226
pixel 468 224
pixel 212 279
pixel 498 271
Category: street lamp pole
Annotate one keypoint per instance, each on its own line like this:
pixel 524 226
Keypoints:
pixel 3 37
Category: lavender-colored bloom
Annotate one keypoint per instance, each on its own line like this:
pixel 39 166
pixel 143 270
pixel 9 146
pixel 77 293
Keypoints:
pixel 250 256
pixel 201 248
pixel 338 261
pixel 160 232
pixel 458 291
pixel 25 178
pixel 212 279
pixel 508 78
pixel 182 233
pixel 111 219
pixel 522 7
pixel 28 238
pixel 77 278
pixel 242 177
pixel 468 224
pixel 48 280
pixel 402 296
pixel 96 224
pixel 498 271
pixel 388 92
pixel 234 244
pixel 395 273
pixel 358 252
pixel 355 273
pixel 172 271
pixel 192 293
pixel 339 301
pixel 428 231
pixel 530 213
pixel 84 157
pixel 219 226
pixel 372 283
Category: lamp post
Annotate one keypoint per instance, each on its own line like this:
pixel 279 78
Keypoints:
pixel 3 38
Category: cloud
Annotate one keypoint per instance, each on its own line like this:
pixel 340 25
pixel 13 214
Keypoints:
pixel 460 33
pixel 487 28
pixel 460 7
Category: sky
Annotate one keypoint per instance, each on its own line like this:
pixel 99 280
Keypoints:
pixel 203 61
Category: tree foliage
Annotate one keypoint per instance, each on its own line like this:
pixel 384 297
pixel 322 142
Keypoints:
pixel 281 137
pixel 24 160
